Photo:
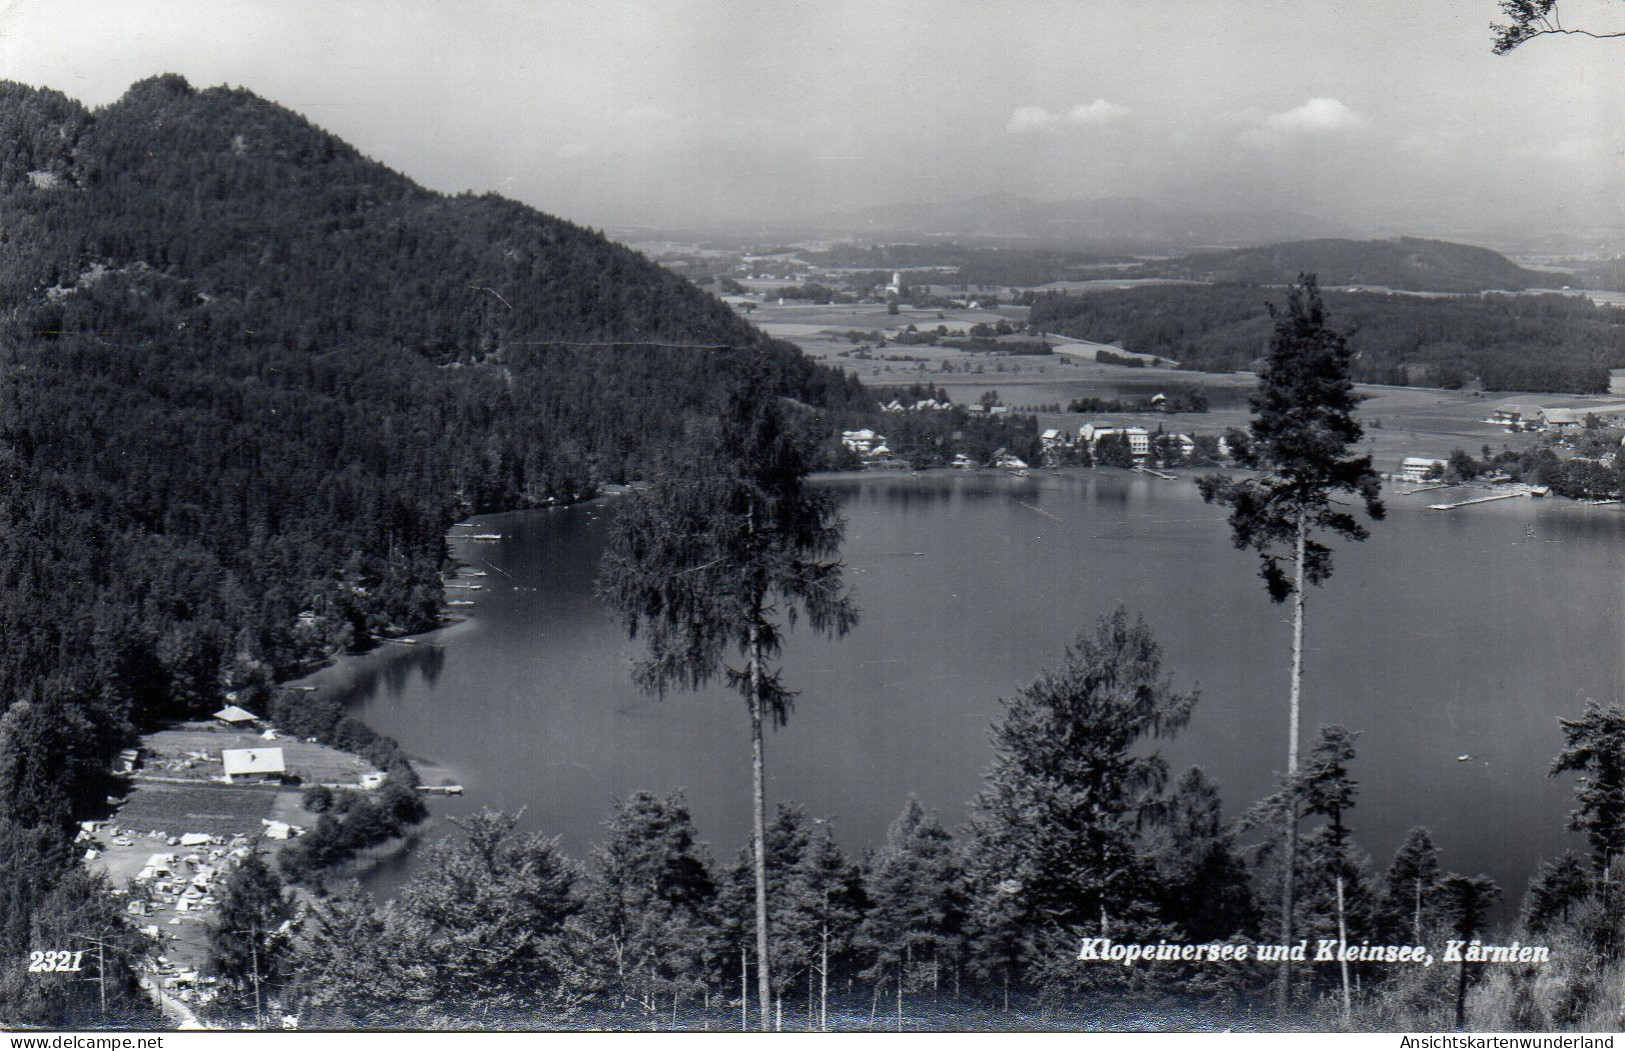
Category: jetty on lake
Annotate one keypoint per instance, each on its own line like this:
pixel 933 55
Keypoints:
pixel 1478 500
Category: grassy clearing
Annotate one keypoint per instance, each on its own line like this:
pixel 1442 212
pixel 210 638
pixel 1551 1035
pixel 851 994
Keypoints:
pixel 167 754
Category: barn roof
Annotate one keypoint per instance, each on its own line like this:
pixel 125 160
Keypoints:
pixel 252 761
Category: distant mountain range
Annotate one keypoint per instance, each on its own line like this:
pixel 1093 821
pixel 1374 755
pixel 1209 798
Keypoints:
pixel 1404 263
pixel 1125 223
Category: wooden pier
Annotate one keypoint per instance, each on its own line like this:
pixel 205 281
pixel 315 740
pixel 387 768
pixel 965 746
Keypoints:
pixel 1479 500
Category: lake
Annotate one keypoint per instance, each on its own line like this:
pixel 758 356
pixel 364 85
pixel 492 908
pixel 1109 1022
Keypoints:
pixel 1446 634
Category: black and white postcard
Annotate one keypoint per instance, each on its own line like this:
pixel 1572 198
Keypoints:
pixel 893 516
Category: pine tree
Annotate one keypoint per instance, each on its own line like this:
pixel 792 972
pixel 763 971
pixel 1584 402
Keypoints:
pixel 649 902
pixel 1329 790
pixel 1202 881
pixel 495 908
pixel 1466 902
pixel 1303 431
pixel 824 903
pixel 248 945
pixel 1555 891
pixel 915 925
pixel 1113 451
pixel 728 548
pixel 1595 747
pixel 361 966
pixel 787 841
pixel 80 913
pixel 1410 890
pixel 1071 787
pixel 998 924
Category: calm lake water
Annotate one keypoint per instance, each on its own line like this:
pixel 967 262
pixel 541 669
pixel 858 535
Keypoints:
pixel 1467 632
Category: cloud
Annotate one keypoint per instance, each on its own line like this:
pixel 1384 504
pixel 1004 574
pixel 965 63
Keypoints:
pixel 1098 113
pixel 1316 115
pixel 572 150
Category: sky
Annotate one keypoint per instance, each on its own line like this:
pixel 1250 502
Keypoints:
pixel 1390 115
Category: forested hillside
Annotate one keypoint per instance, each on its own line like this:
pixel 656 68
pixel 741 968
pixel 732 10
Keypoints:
pixel 246 373
pixel 1411 263
pixel 1505 342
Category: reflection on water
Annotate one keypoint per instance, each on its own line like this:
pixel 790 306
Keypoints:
pixel 389 672
pixel 1465 633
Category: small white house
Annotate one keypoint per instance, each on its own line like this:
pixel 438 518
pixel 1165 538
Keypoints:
pixel 253 763
pixel 232 715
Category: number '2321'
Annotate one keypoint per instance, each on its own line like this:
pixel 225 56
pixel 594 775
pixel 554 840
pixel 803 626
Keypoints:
pixel 58 960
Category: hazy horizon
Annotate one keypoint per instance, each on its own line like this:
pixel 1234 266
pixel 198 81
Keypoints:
pixel 1384 116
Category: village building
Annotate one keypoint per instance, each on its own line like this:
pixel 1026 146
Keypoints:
pixel 232 715
pixel 253 764
pixel 923 405
pixel 862 442
pixel 1139 439
pixel 1419 468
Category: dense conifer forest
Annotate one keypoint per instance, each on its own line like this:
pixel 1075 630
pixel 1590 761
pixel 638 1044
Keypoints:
pixel 247 380
pixel 248 374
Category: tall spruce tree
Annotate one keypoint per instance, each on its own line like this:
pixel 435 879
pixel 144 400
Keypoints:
pixel 1555 891
pixel 1072 782
pixel 248 944
pixel 915 925
pixel 1466 902
pixel 1595 747
pixel 1303 431
pixel 998 928
pixel 823 905
pixel 1329 790
pixel 728 548
pixel 1410 888
pixel 649 902
pixel 735 935
pixel 1202 880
